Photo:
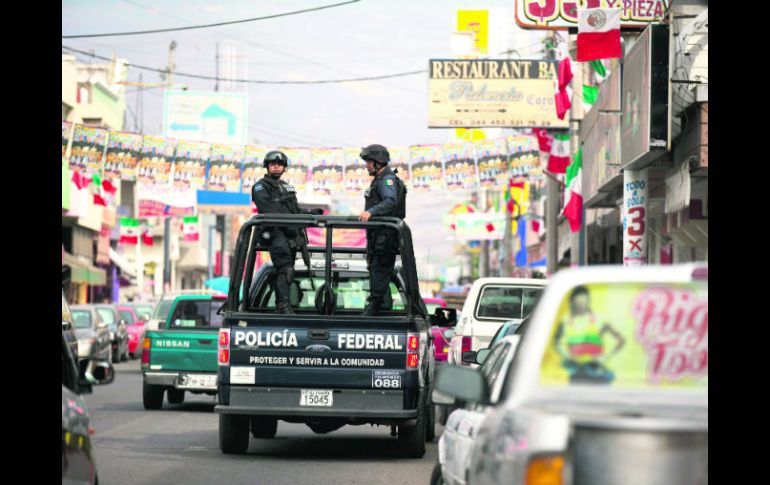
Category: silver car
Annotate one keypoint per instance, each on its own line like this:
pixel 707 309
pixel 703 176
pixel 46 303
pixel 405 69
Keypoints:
pixel 93 334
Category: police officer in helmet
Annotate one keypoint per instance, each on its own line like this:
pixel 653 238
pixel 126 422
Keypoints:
pixel 386 196
pixel 274 196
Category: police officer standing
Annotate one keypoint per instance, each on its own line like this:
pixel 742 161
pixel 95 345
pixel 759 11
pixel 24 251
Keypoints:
pixel 274 196
pixel 386 196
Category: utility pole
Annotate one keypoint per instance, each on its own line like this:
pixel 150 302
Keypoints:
pixel 552 202
pixel 167 220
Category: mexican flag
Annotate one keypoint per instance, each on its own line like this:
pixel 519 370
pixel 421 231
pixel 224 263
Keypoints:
pixel 563 96
pixel 590 95
pixel 190 229
pixel 598 34
pixel 147 239
pixel 559 158
pixel 573 207
pixel 129 231
pixel 98 194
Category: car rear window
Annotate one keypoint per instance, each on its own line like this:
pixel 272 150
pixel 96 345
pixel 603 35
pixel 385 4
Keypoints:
pixel 162 309
pixel 142 310
pixel 127 316
pixel 506 302
pixel 81 318
pixel 196 314
pixel 630 336
pixel 107 315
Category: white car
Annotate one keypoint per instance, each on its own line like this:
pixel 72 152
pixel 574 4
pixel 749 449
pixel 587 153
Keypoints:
pixel 456 444
pixel 490 303
pixel 609 384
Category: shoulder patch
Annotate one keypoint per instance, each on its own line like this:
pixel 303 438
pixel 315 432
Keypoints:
pixel 258 187
pixel 388 181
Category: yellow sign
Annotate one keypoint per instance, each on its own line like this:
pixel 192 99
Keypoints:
pixel 492 93
pixel 470 135
pixel 476 21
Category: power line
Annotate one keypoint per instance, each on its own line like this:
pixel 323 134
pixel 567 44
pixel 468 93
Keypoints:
pixel 254 81
pixel 204 26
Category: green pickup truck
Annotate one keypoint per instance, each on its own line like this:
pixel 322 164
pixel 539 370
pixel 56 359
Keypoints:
pixel 181 355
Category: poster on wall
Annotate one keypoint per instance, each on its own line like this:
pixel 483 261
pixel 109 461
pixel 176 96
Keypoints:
pixel 356 176
pixel 635 232
pixel 225 163
pixel 66 135
pixel 492 162
pixel 523 155
pixel 87 152
pixel 459 166
pixel 189 169
pixel 400 161
pixel 327 170
pixel 298 171
pixel 253 158
pixel 155 162
pixel 122 158
pixel 427 172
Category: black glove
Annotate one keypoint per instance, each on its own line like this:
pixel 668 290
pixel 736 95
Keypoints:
pixel 317 212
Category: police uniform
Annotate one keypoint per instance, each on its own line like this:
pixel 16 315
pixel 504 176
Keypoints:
pixel 386 196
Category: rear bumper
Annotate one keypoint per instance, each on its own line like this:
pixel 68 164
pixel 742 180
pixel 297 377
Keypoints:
pixel 172 379
pixel 347 403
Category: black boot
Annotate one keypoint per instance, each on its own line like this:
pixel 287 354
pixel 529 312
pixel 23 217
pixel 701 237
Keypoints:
pixel 283 307
pixel 372 307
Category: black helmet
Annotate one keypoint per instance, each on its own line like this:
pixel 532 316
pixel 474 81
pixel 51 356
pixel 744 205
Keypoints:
pixel 376 153
pixel 275 156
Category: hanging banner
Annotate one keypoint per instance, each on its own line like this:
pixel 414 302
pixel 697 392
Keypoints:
pixel 155 162
pixel 298 171
pixel 492 162
pixel 163 202
pixel 635 195
pixel 427 173
pixel 523 155
pixel 484 226
pixel 189 169
pixel 400 161
pixel 122 155
pixel 327 170
pixel 88 149
pixel 356 176
pixel 253 157
pixel 459 166
pixel 225 163
pixel 66 135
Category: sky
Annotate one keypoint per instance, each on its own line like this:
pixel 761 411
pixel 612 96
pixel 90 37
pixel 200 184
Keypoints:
pixel 367 38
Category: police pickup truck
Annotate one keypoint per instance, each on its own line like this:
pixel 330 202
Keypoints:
pixel 326 366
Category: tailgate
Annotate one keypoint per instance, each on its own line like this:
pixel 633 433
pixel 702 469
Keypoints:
pixel 184 350
pixel 319 353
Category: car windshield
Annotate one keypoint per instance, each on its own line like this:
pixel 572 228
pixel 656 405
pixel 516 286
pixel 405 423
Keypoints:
pixel 142 310
pixel 107 316
pixel 162 309
pixel 81 318
pixel 506 302
pixel 197 313
pixel 127 316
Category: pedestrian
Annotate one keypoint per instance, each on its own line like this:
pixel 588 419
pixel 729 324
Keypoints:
pixel 274 196
pixel 386 196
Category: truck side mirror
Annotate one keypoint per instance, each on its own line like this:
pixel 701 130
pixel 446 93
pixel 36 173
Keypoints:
pixel 444 317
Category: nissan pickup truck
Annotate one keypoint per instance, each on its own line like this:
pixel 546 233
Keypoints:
pixel 181 355
pixel 325 366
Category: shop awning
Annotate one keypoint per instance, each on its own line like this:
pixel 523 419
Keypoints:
pixel 126 268
pixel 84 272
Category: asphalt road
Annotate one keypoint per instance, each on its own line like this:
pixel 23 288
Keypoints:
pixel 179 444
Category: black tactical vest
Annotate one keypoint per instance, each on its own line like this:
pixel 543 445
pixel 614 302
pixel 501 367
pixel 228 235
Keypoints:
pixel 372 196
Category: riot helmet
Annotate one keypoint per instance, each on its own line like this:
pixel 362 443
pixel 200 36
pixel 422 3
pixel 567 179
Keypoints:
pixel 275 156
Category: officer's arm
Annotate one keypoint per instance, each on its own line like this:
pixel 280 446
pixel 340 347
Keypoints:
pixel 260 197
pixel 388 194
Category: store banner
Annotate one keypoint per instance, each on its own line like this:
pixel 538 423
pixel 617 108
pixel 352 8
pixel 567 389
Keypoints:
pixel 298 171
pixel 492 162
pixel 253 158
pixel 562 14
pixel 327 171
pixel 123 150
pixel 635 217
pixel 400 162
pixel 426 168
pixel 225 164
pixel 189 167
pixel 87 152
pixel 459 166
pixel 155 162
pixel 356 176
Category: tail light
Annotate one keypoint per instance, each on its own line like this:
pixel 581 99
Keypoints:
pixel 224 346
pixel 466 344
pixel 146 351
pixel 412 350
pixel 545 470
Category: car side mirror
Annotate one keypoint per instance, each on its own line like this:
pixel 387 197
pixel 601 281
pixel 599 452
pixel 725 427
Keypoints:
pixel 123 322
pixel 101 325
pixel 463 383
pixel 444 317
pixel 482 355
pixel 469 357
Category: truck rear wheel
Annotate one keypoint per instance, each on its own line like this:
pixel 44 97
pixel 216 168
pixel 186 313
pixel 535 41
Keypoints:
pixel 412 438
pixel 233 433
pixel 152 396
pixel 264 428
pixel 175 396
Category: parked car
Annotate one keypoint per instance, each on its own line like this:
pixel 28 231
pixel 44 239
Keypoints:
pixel 135 326
pixel 440 343
pixel 77 459
pixel 118 332
pixel 143 311
pixel 68 327
pixel 608 385
pixel 94 341
pixel 458 440
pixel 490 303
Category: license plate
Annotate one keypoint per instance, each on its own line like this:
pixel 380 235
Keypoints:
pixel 197 381
pixel 312 397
